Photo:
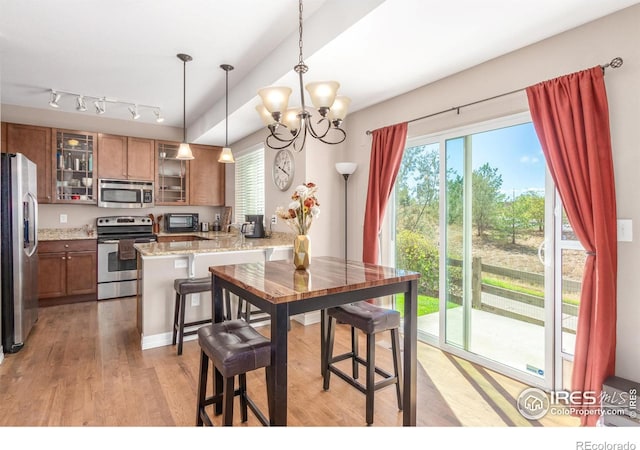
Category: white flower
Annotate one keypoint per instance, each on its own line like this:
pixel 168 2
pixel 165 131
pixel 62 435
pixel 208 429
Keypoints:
pixel 294 205
pixel 315 212
pixel 302 190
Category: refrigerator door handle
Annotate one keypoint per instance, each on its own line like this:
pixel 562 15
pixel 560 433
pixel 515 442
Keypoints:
pixel 34 201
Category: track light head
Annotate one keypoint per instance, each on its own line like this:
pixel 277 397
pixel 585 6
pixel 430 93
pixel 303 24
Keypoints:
pixel 101 106
pixel 159 116
pixel 81 105
pixel 135 115
pixel 55 97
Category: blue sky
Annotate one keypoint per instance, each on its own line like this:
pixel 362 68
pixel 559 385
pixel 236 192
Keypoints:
pixel 515 151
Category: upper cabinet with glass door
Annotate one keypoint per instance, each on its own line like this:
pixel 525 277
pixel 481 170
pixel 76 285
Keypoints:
pixel 171 175
pixel 75 153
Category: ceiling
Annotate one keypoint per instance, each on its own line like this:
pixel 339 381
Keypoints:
pixel 126 50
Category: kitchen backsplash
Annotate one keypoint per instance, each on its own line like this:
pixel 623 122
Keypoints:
pixel 79 215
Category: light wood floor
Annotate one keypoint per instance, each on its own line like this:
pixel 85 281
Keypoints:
pixel 82 366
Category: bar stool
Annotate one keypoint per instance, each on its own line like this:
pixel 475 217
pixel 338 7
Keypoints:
pixel 371 320
pixel 235 348
pixel 184 287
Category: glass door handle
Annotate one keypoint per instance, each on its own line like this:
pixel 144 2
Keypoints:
pixel 541 256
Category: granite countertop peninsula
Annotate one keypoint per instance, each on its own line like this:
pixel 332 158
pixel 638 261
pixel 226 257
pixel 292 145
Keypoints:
pixel 63 234
pixel 213 242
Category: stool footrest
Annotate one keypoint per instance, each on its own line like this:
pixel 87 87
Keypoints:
pixel 360 360
pixel 387 381
pixel 215 399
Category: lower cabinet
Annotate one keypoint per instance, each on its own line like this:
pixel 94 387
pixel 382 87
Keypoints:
pixel 67 271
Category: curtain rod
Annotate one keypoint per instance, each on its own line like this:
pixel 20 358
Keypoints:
pixel 614 64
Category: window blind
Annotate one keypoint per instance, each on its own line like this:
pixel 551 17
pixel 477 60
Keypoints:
pixel 249 188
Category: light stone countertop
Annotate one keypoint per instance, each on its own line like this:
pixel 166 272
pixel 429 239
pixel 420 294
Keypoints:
pixel 214 242
pixel 63 234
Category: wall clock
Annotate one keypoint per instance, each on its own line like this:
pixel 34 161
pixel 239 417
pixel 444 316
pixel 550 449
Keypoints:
pixel 283 169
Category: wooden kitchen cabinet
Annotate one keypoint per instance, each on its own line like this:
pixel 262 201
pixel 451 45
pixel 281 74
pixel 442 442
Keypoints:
pixel 67 271
pixel 74 179
pixel 3 137
pixel 172 182
pixel 35 143
pixel 126 158
pixel 206 176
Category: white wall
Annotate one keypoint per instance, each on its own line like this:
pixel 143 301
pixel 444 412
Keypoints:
pixel 581 48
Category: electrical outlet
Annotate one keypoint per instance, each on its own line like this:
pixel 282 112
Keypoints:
pixel 274 219
pixel 63 218
pixel 218 217
pixel 195 299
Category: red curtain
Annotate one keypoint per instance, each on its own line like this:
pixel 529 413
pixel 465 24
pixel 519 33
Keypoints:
pixel 387 148
pixel 571 118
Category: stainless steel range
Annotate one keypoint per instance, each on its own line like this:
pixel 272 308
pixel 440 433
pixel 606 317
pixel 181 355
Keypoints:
pixel 117 259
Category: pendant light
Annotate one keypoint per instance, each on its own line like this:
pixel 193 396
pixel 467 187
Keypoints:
pixel 226 156
pixel 184 152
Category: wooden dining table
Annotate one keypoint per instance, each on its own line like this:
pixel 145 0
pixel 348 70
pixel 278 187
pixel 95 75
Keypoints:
pixel 278 289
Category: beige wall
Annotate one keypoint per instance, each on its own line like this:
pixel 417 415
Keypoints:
pixel 584 47
pixel 315 164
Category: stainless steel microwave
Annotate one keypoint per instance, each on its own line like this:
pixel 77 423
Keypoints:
pixel 180 222
pixel 125 193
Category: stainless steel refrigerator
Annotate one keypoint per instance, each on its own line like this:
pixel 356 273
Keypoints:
pixel 19 250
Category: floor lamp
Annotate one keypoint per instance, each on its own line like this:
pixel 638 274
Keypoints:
pixel 345 169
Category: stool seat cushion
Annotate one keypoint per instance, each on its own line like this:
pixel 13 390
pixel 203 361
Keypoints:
pixel 235 347
pixel 366 317
pixel 184 286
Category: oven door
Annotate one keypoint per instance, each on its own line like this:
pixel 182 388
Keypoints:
pixel 116 277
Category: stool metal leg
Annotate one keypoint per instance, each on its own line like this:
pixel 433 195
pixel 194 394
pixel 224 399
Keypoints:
pixel 202 390
pixel 354 349
pixel 227 402
pixel 397 365
pixel 181 323
pixel 176 311
pixel 227 303
pixel 371 355
pixel 242 381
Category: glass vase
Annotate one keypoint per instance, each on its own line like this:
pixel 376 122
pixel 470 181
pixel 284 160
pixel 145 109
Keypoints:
pixel 301 255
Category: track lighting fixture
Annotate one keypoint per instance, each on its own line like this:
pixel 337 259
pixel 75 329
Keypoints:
pixel 100 104
pixel 81 105
pixel 53 101
pixel 135 115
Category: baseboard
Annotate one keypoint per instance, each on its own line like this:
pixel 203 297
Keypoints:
pixel 308 318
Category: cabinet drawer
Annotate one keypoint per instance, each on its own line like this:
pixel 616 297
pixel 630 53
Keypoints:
pixel 68 246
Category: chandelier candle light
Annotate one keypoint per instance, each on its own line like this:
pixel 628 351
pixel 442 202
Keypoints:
pixel 299 216
pixel 290 126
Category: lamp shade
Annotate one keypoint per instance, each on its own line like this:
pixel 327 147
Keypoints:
pixel 346 168
pixel 339 108
pixel 323 93
pixel 226 156
pixel 184 152
pixel 290 120
pixel 265 115
pixel 275 99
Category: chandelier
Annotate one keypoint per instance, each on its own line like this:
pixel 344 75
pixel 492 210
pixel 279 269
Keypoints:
pixel 290 126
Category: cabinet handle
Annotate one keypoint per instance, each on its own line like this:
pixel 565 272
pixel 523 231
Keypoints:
pixel 66 245
pixel 64 257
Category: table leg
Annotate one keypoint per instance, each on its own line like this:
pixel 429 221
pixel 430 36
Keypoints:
pixel 324 329
pixel 278 370
pixel 410 353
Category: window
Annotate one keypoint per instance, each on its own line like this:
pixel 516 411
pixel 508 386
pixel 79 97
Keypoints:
pixel 249 184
